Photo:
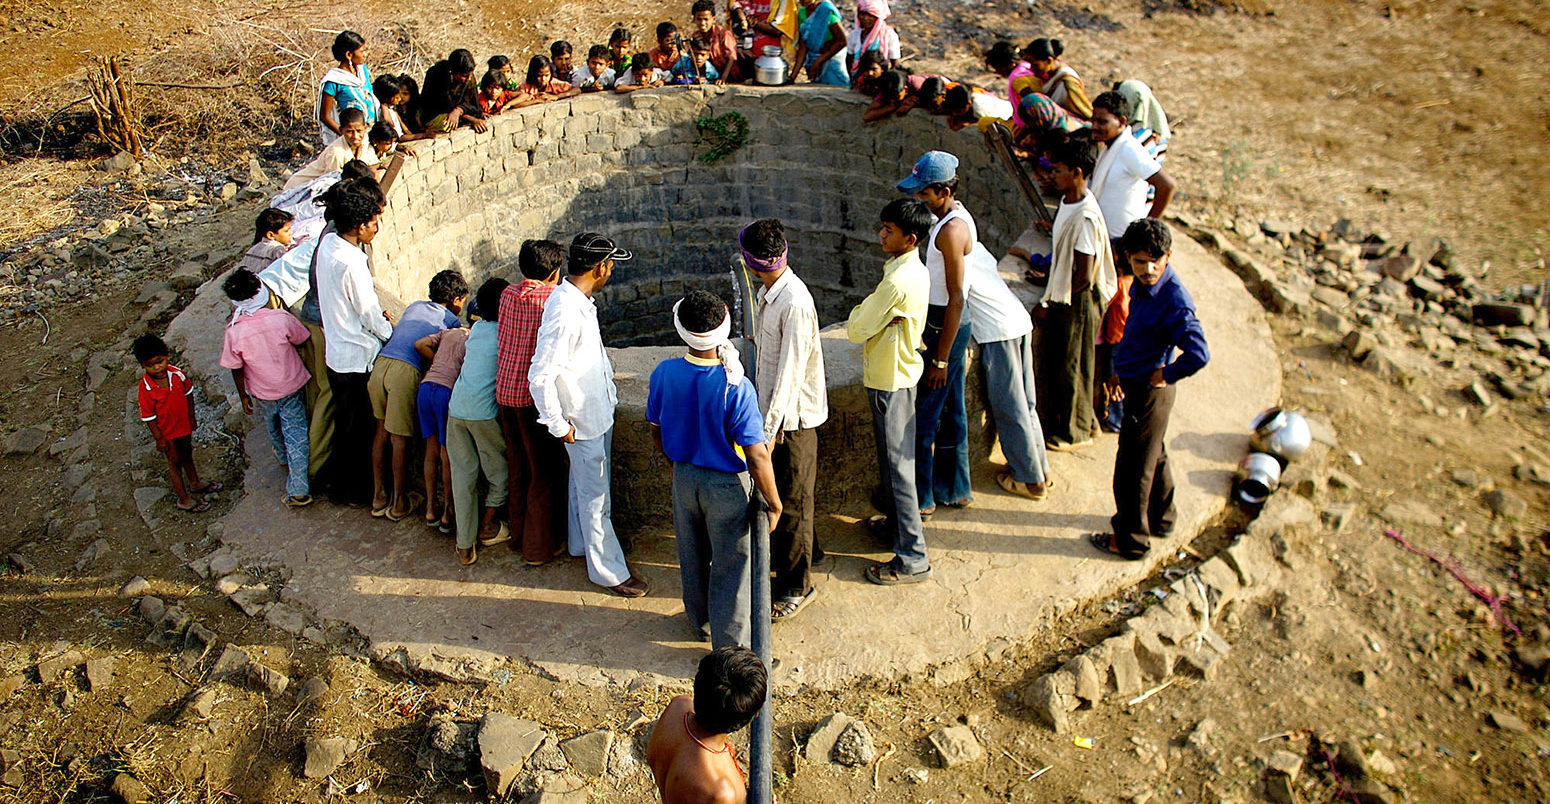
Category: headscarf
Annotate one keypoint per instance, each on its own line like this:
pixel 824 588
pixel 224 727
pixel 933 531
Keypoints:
pixel 259 301
pixel 1042 114
pixel 1144 108
pixel 716 339
pixel 879 33
pixel 761 265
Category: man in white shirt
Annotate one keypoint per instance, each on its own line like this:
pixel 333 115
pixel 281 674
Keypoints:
pixel 1124 171
pixel 795 400
pixel 572 383
pixel 354 328
pixel 1001 326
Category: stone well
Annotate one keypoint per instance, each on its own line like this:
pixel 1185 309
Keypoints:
pixel 626 165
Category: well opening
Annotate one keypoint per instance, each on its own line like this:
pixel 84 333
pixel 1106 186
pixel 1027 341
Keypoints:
pixel 626 166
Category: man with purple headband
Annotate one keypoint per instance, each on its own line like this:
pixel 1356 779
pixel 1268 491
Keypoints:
pixel 789 377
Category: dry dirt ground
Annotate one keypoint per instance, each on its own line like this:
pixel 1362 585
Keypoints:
pixel 1310 114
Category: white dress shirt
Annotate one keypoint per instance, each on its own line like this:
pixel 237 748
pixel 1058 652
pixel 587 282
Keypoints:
pixel 789 373
pixel 571 378
pixel 353 325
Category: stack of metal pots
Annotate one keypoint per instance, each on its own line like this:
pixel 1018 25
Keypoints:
pixel 1279 437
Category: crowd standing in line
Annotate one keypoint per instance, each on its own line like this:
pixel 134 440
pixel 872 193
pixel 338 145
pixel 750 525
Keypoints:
pixel 524 396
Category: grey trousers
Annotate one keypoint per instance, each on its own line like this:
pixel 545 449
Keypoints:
pixel 893 428
pixel 711 511
pixel 471 446
pixel 1013 402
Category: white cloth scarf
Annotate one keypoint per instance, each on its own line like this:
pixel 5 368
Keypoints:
pixel 335 75
pixel 1062 262
pixel 259 301
pixel 716 339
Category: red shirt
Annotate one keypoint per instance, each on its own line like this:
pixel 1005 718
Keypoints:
pixel 167 407
pixel 1118 310
pixel 522 310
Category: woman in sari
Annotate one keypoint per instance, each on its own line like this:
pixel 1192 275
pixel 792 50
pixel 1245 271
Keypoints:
pixel 1004 60
pixel 821 44
pixel 345 86
pixel 1061 83
pixel 873 34
pixel 1147 120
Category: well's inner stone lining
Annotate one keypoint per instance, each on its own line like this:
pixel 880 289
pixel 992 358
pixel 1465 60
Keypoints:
pixel 626 166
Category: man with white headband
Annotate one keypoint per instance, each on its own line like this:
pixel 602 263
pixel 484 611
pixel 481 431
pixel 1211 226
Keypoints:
pixel 704 415
pixel 795 401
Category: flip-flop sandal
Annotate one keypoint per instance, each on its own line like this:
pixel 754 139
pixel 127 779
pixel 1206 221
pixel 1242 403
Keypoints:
pixel 886 573
pixel 198 507
pixel 786 608
pixel 381 512
pixel 1010 486
pixel 414 504
pixel 963 503
pixel 209 488
pixel 1105 542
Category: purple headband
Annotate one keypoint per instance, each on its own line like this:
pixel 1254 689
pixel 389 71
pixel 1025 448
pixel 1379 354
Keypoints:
pixel 760 265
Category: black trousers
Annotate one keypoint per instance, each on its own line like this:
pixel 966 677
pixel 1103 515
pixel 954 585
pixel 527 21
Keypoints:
pixel 347 474
pixel 1067 366
pixel 793 544
pixel 1143 486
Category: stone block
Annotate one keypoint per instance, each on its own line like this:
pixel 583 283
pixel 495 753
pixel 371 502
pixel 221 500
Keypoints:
pixel 55 667
pixel 324 755
pixel 1052 697
pixel 588 753
pixel 820 743
pixel 1124 667
pixel 1251 560
pixel 956 745
pixel 1087 685
pixel 505 743
pixel 1154 658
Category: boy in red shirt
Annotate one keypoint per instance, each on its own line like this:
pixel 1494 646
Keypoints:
pixel 167 407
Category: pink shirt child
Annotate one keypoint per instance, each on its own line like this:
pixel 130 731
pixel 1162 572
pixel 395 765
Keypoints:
pixel 263 345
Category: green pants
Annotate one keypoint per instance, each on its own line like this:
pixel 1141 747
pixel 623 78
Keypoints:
pixel 473 446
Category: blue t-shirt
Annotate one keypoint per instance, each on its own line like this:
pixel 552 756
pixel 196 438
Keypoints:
pixel 683 72
pixel 701 418
pixel 419 319
pixel 473 396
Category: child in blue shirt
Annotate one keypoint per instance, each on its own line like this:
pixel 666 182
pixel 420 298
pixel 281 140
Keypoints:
pixel 704 415
pixel 695 66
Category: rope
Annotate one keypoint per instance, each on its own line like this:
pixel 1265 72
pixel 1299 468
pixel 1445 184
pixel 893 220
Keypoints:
pixel 1452 566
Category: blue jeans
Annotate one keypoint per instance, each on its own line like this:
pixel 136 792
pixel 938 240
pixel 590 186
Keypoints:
pixel 1013 402
pixel 893 428
pixel 286 419
pixel 942 423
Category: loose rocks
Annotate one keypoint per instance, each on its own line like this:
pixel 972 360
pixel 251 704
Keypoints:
pixel 956 745
pixel 505 743
pixel 588 754
pixel 325 755
pixel 855 746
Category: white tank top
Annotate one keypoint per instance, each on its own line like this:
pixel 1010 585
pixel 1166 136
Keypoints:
pixel 934 264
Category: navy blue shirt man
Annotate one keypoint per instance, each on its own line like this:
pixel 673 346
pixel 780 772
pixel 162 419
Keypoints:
pixel 1163 344
pixel 704 414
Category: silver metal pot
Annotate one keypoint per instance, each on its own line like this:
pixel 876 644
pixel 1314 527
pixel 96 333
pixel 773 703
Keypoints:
pixel 770 68
pixel 1282 433
pixel 1258 476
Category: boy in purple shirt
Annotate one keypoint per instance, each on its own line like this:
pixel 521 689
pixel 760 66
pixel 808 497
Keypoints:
pixel 1145 370
pixel 394 383
pixel 260 349
pixel 704 415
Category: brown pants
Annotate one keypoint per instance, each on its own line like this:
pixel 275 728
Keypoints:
pixel 536 484
pixel 793 544
pixel 1143 486
pixel 1067 367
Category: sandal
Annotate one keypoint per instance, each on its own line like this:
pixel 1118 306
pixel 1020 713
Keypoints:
pixel 1011 486
pixel 298 501
pixel 467 557
pixel 788 607
pixel 414 503
pixel 889 573
pixel 502 534
pixel 880 527
pixel 213 487
pixel 199 507
pixel 1105 542
pixel 963 503
pixel 634 587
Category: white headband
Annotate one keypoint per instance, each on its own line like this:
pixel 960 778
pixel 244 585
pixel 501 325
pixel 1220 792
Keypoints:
pixel 715 339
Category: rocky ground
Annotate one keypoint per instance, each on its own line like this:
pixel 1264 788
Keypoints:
pixel 1339 666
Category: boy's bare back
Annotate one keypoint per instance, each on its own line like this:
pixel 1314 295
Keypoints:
pixel 686 771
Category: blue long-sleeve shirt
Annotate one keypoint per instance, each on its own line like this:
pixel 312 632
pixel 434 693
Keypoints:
pixel 1162 319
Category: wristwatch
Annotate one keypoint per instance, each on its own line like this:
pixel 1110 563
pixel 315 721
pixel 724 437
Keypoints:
pixel 941 364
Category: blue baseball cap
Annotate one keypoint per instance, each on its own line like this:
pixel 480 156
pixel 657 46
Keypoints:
pixel 932 167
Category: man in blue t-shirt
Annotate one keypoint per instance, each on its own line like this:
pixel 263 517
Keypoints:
pixel 704 415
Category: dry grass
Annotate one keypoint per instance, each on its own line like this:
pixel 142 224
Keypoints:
pixel 37 192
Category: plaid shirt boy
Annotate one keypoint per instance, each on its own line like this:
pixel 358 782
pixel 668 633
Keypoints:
pixel 522 311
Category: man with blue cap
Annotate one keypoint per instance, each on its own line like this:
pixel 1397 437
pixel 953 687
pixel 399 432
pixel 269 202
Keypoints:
pixel 941 422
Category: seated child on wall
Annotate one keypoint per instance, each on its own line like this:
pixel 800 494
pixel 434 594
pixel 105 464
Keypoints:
pixel 666 53
pixel 967 105
pixel 619 50
pixel 560 55
pixel 870 68
pixel 889 93
pixel 385 143
pixel 271 238
pixel 351 144
pixel 167 408
pixel 501 66
pixel 929 95
pixel 597 75
pixel 541 86
pixel 695 66
pixel 643 74
pixel 495 98
pixel 395 97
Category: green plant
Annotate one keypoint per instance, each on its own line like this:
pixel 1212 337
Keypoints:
pixel 724 135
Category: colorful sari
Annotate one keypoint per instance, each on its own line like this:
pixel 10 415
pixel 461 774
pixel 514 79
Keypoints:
pixel 1022 77
pixel 814 34
pixel 349 92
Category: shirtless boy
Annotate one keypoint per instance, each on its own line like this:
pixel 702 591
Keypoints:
pixel 689 753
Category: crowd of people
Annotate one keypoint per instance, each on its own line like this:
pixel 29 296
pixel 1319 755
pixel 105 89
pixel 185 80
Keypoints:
pixel 511 417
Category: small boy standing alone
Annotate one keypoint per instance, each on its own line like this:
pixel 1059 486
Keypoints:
pixel 704 415
pixel 890 322
pixel 1162 320
pixel 167 408
pixel 689 753
pixel 260 349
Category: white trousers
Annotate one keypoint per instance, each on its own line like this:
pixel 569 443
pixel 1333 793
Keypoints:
pixel 591 527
